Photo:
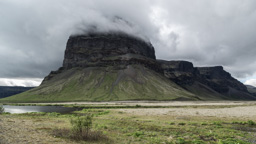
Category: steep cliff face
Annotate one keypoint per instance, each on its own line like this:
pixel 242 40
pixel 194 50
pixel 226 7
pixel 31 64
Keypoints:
pixel 102 50
pixel 215 81
pixel 181 72
pixel 219 79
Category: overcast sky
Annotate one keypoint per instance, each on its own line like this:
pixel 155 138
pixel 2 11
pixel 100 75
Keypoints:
pixel 33 33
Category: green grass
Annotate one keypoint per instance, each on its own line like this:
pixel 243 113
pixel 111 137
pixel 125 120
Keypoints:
pixel 104 84
pixel 127 128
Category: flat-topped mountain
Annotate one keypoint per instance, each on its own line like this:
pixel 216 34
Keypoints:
pixel 117 66
pixel 105 49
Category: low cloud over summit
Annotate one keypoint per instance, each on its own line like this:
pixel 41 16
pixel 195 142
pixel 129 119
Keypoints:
pixel 215 32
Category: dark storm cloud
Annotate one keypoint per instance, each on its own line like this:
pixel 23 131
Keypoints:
pixel 33 33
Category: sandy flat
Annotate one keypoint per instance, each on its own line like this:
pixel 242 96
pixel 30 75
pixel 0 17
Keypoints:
pixel 240 112
pixel 160 103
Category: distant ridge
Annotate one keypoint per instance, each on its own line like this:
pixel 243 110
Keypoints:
pixel 251 89
pixel 6 91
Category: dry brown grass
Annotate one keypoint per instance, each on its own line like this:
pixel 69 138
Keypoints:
pixel 85 136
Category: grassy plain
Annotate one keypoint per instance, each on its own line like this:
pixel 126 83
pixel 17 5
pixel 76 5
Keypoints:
pixel 143 124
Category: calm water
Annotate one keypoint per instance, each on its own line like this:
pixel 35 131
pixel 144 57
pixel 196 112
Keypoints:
pixel 25 109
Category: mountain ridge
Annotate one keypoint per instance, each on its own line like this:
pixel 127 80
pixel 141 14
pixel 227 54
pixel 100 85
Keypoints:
pixel 6 91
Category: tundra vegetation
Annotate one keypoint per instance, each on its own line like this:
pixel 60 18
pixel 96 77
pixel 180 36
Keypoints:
pixel 112 125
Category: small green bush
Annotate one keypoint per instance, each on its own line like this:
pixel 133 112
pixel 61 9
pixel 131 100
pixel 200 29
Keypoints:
pixel 81 129
pixel 230 141
pixel 82 124
pixel 181 123
pixel 203 123
pixel 1 109
pixel 53 114
pixel 137 106
pixel 180 140
pixel 138 133
pixel 172 123
pixel 251 123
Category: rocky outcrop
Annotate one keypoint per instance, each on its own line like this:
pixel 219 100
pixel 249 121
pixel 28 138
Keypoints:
pixel 219 80
pixel 215 78
pixel 181 72
pixel 101 50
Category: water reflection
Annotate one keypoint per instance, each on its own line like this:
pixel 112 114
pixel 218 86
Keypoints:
pixel 26 109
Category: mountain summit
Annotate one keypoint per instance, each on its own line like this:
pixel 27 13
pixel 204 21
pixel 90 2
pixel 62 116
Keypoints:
pixel 116 66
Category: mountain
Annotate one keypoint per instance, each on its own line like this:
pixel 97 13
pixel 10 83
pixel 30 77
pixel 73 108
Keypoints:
pixel 116 66
pixel 6 91
pixel 208 83
pixel 251 89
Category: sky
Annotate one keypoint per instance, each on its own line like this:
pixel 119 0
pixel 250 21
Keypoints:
pixel 33 33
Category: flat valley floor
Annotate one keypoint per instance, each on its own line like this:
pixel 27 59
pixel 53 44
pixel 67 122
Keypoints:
pixel 140 122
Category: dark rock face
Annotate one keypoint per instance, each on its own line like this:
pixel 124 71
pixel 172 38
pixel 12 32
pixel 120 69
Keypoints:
pixel 219 80
pixel 6 91
pixel 184 74
pixel 101 50
pixel 181 72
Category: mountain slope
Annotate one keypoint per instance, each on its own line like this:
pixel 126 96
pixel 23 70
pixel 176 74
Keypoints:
pixel 105 84
pixel 251 89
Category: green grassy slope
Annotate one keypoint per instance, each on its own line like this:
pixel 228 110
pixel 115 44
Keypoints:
pixel 104 84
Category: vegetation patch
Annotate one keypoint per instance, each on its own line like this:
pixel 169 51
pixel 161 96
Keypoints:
pixel 111 126
pixel 81 130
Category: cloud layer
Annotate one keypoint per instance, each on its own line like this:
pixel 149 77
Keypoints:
pixel 20 82
pixel 214 32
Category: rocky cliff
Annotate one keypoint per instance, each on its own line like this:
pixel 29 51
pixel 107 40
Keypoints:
pixel 107 49
pixel 213 79
pixel 113 49
pixel 116 66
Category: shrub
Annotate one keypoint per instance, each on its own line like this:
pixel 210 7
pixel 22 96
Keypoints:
pixel 251 123
pixel 138 133
pixel 1 109
pixel 81 130
pixel 172 123
pixel 137 106
pixel 53 114
pixel 181 123
pixel 180 140
pixel 82 124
